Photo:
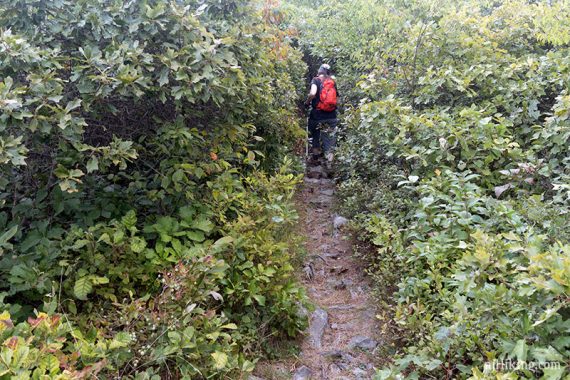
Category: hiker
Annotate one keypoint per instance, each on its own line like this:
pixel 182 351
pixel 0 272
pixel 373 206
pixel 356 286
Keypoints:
pixel 322 119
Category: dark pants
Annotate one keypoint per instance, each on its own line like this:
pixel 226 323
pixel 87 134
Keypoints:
pixel 325 131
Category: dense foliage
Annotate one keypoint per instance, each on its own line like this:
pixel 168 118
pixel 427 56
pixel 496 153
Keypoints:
pixel 455 164
pixel 145 189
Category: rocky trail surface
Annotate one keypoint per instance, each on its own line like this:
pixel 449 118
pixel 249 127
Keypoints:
pixel 342 338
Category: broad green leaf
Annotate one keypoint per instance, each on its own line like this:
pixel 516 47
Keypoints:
pixel 174 337
pixel 554 373
pixel 220 360
pixel 98 280
pixel 92 165
pixel 196 235
pixel 8 235
pixel 260 299
pixel 138 244
pixel 82 288
pixel 20 355
pixel 163 78
pixel 75 103
pixel 121 339
pixel 50 363
pixel 222 242
pixel 546 354
pixel 520 350
pixel 203 225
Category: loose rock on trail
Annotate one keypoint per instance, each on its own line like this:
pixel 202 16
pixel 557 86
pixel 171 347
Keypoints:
pixel 341 340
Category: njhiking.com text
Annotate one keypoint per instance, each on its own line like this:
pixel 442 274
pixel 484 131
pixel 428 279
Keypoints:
pixel 514 365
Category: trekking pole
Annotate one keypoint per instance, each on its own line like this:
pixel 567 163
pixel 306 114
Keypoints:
pixel 307 144
pixel 308 139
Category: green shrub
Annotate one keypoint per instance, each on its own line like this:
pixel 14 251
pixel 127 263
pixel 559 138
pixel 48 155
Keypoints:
pixel 455 167
pixel 48 347
pixel 145 188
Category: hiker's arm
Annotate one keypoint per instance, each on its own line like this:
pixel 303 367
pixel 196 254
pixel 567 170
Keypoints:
pixel 312 94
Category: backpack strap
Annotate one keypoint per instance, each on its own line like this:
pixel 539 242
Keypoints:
pixel 319 84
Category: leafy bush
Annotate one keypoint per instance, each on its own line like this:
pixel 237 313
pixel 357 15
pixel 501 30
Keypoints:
pixel 145 186
pixel 44 345
pixel 455 166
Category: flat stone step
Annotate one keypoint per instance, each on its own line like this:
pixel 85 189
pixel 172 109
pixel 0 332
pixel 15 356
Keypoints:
pixel 317 326
pixel 302 373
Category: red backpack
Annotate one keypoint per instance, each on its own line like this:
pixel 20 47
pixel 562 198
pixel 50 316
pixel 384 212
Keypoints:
pixel 327 98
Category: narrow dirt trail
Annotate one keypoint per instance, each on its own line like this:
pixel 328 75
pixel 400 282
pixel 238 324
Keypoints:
pixel 342 338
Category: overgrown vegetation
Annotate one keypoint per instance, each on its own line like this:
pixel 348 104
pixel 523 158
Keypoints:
pixel 146 186
pixel 145 189
pixel 455 165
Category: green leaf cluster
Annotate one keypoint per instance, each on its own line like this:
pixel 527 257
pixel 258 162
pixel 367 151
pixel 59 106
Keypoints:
pixel 145 186
pixel 455 165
